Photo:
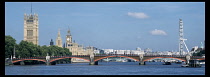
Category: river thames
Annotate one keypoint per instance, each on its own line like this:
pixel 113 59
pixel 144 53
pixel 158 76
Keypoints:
pixel 104 68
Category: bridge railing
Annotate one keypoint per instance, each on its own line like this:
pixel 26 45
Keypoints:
pixel 116 55
pixel 106 55
pixel 134 55
pixel 29 58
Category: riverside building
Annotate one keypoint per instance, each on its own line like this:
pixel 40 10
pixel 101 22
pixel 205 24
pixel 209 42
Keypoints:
pixel 31 28
pixel 77 49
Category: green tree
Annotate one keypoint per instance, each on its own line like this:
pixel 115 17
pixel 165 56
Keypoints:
pixel 44 50
pixel 67 52
pixel 28 49
pixel 38 49
pixel 23 49
pixel 9 46
pixel 199 52
pixel 203 51
pixel 58 51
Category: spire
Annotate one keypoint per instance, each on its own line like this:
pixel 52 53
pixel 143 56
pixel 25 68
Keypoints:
pixel 68 31
pixel 59 40
pixel 59 33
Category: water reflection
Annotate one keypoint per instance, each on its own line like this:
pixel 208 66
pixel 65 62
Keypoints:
pixel 104 68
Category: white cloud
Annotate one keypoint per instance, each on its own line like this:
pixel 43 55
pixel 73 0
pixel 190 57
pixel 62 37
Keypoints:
pixel 158 32
pixel 138 15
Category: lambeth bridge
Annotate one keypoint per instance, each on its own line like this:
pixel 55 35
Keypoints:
pixel 93 59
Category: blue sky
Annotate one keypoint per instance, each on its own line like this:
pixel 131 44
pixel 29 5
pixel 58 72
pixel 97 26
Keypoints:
pixel 112 25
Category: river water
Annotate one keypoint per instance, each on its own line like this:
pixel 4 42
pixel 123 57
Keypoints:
pixel 104 68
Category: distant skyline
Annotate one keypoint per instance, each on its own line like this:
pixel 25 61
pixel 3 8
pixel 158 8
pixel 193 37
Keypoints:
pixel 112 25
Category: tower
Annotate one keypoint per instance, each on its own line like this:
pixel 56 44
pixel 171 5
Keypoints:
pixel 68 38
pixel 73 47
pixel 181 38
pixel 59 40
pixel 181 35
pixel 51 42
pixel 31 28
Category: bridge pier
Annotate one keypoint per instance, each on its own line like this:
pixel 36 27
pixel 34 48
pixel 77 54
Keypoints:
pixel 8 62
pixel 48 63
pixel 92 62
pixel 187 59
pixel 142 63
pixel 48 60
pixel 22 63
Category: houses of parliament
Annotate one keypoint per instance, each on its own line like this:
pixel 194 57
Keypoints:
pixel 73 47
pixel 31 34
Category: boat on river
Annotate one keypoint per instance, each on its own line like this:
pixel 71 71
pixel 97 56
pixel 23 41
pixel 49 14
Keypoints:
pixel 178 62
pixel 167 63
pixel 192 63
pixel 124 60
pixel 202 62
pixel 185 65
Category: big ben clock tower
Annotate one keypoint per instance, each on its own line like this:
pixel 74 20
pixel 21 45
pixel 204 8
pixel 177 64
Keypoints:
pixel 73 47
pixel 68 39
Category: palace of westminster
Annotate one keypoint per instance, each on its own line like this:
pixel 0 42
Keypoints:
pixel 31 29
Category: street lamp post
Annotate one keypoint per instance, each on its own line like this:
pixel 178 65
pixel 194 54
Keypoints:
pixel 14 52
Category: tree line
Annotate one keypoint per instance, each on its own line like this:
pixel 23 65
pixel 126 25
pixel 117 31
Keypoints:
pixel 28 49
pixel 199 52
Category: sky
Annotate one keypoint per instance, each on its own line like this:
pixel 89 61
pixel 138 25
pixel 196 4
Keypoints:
pixel 112 25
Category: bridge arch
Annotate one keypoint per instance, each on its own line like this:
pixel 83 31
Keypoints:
pixel 116 56
pixel 28 59
pixel 66 58
pixel 164 57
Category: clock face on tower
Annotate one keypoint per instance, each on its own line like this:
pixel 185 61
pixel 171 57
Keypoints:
pixel 68 39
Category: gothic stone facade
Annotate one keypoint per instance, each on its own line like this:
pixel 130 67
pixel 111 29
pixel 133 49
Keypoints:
pixel 31 28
